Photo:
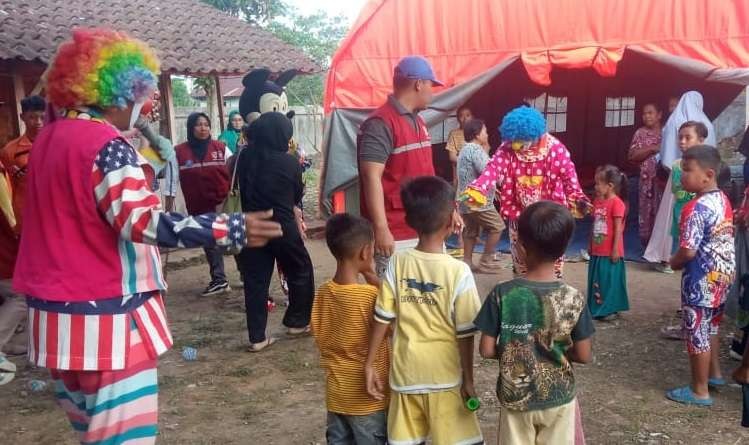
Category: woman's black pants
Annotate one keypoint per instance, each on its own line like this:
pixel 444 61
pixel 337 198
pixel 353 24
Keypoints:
pixel 257 269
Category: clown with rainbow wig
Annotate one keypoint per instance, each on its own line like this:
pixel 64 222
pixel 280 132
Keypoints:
pixel 88 262
pixel 531 165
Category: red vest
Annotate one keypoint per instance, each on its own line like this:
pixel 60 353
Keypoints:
pixel 68 250
pixel 204 182
pixel 411 156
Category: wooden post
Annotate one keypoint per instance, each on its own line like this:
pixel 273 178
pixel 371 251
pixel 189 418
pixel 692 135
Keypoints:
pixel 18 94
pixel 167 124
pixel 220 102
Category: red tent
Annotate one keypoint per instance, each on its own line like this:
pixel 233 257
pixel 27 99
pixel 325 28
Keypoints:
pixel 589 65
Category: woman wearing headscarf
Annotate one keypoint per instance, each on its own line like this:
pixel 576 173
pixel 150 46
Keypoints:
pixel 233 132
pixel 204 179
pixel 270 177
pixel 689 108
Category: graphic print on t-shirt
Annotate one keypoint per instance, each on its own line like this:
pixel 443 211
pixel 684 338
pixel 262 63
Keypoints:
pixel 420 292
pixel 600 225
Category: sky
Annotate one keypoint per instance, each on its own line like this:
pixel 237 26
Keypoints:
pixel 349 8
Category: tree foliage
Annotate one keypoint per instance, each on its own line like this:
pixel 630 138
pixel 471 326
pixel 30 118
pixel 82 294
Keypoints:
pixel 180 94
pixel 318 35
pixel 257 12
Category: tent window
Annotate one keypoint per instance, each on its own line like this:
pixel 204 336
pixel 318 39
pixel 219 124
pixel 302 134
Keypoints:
pixel 554 109
pixel 620 111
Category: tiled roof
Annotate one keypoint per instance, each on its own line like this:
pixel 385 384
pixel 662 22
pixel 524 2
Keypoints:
pixel 231 86
pixel 190 37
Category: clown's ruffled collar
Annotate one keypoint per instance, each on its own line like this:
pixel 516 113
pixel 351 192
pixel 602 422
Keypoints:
pixel 83 113
pixel 536 152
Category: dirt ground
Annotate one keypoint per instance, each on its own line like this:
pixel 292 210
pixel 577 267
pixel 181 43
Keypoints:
pixel 277 397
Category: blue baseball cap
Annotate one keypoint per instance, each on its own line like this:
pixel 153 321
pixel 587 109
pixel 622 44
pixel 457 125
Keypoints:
pixel 416 68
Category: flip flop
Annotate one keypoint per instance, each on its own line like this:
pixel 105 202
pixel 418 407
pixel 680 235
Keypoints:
pixel 298 332
pixel 6 377
pixel 257 347
pixel 716 383
pixel 672 333
pixel 6 365
pixel 685 396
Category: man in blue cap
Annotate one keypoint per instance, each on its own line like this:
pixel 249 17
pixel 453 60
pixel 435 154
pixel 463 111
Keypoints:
pixel 393 145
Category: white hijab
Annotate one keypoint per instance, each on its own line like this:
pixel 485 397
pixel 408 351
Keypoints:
pixel 688 109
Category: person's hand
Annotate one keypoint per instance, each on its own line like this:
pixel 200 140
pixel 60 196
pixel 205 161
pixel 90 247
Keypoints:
pixel 615 257
pixel 169 203
pixel 260 228
pixel 457 222
pixel 384 242
pixel 584 206
pixel 467 390
pixel 741 375
pixel 141 122
pixel 18 172
pixel 301 225
pixel 375 385
pixel 370 274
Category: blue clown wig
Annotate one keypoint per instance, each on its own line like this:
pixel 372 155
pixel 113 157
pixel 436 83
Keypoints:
pixel 523 124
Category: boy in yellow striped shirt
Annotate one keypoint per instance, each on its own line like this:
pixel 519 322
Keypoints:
pixel 341 320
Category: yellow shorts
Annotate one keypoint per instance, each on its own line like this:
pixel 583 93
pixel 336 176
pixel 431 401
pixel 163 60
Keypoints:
pixel 549 426
pixel 414 417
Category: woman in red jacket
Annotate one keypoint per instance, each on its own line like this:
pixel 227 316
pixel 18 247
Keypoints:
pixel 204 179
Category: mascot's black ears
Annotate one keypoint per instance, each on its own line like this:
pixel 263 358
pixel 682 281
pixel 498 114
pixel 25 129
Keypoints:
pixel 256 84
pixel 290 114
pixel 255 79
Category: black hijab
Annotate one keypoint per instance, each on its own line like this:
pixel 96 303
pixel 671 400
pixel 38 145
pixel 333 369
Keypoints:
pixel 199 147
pixel 270 133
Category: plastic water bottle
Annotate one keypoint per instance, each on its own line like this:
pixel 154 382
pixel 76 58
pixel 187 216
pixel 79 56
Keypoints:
pixel 473 403
pixel 189 354
pixel 37 385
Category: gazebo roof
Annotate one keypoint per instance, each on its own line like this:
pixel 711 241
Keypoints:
pixel 191 38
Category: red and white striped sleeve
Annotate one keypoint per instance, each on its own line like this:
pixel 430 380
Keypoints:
pixel 124 198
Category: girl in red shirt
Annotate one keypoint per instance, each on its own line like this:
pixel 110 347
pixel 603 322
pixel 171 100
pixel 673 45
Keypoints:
pixel 607 278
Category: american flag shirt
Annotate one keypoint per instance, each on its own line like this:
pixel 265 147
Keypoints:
pixel 95 335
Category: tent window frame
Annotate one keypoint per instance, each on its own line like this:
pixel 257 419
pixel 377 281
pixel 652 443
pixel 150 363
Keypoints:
pixel 619 111
pixel 554 108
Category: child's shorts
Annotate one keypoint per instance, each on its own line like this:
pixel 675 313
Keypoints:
pixel 489 220
pixel 698 324
pixel 551 425
pixel 442 415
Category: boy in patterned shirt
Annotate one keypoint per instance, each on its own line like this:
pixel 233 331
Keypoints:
pixel 537 326
pixel 706 254
pixel 430 299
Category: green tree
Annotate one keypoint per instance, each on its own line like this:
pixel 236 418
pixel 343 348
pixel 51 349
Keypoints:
pixel 257 12
pixel 180 94
pixel 318 35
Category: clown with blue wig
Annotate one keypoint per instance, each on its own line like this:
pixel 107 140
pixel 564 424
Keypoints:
pixel 531 165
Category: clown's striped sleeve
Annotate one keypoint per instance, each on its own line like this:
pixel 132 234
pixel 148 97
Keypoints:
pixel 126 201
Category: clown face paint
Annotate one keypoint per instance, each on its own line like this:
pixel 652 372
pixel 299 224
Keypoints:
pixel 521 145
pixel 134 114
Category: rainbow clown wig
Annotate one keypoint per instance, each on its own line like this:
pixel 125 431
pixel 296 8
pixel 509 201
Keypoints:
pixel 523 124
pixel 102 68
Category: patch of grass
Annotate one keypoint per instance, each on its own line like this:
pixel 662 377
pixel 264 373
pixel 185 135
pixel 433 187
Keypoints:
pixel 239 372
pixel 291 362
pixel 202 332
